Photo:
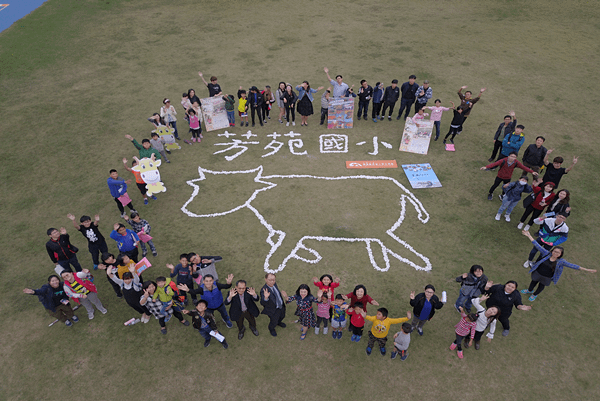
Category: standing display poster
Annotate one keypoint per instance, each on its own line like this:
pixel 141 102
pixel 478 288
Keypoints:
pixel 214 113
pixel 416 137
pixel 340 113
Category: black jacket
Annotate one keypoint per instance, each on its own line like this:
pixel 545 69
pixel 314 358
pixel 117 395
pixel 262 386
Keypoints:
pixel 391 95
pixel 259 99
pixel 270 304
pixel 419 301
pixel 61 249
pixel 235 310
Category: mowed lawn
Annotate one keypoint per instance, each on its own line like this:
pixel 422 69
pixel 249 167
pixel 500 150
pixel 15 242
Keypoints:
pixel 76 76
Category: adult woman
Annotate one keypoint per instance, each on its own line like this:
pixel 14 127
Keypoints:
pixel 548 268
pixel 167 112
pixel 485 318
pixel 192 97
pixel 424 306
pixel 305 98
pixel 304 311
pixel 360 295
pixel 542 198
pixel 55 300
pixel 504 297
pixel 289 99
pixel 561 203
pixel 269 99
pixel 472 285
pixel 279 99
pixel 154 306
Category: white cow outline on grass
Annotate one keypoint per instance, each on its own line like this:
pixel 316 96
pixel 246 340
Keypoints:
pixel 300 245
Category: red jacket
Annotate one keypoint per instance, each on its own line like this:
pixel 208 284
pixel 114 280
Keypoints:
pixel 539 196
pixel 506 171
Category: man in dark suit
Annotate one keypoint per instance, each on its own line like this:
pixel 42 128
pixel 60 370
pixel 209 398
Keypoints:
pixel 274 302
pixel 243 306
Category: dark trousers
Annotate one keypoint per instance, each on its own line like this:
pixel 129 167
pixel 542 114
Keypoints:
pixel 223 311
pixel 356 330
pixel 324 115
pixel 497 149
pixel 266 110
pixel 178 316
pixel 72 262
pixel 376 110
pixel 115 287
pixel 373 339
pixel 503 319
pixel 258 110
pixel 96 249
pixel 452 131
pixel 458 342
pixel 120 206
pixel 405 104
pixel 133 254
pixel 276 318
pixel 289 110
pixel 497 182
pixel 478 335
pixel 534 251
pixel 248 316
pixel 419 106
pixel 63 312
pixel 535 213
pixel 173 125
pixel 323 320
pixel 539 289
pixel 385 106
pixel 363 107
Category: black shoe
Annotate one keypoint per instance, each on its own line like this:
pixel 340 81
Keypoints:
pixel 436 138
pixel 490 159
pixel 451 141
pixel 397 118
pixel 444 141
pixel 206 343
pixel 185 323
pixel 246 124
pixel 241 334
pixel 358 118
pixel 281 324
pixel 262 125
pixel 225 345
pixel 254 331
pixel 252 124
pixel 273 333
pixel 389 118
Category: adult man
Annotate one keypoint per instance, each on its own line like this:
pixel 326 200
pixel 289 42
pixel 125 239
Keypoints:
pixel 554 171
pixel 554 231
pixel 424 93
pixel 214 89
pixel 127 241
pixel 512 142
pixel 96 242
pixel 255 102
pixel 364 97
pixel 409 92
pixel 504 297
pixel 534 155
pixel 60 250
pixel 211 293
pixel 467 102
pixel 506 127
pixel 339 86
pixel 507 166
pixel 243 306
pixel 273 301
pixel 390 97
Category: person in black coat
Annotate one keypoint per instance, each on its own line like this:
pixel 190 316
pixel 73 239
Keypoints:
pixel 273 301
pixel 256 101
pixel 424 306
pixel 504 297
pixel 248 310
pixel 55 300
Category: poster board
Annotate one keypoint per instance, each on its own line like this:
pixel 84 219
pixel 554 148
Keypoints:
pixel 142 265
pixel 340 113
pixel 416 137
pixel 421 175
pixel 214 113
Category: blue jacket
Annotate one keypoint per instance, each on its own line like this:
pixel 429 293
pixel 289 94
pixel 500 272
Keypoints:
pixel 516 141
pixel 560 263
pixel 377 94
pixel 45 296
pixel 514 190
pixel 214 298
pixel 125 242
pixel 117 187
pixel 301 92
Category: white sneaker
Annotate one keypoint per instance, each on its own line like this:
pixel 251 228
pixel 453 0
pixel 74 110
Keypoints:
pixel 287 124
pixel 325 330
pixel 497 216
pixel 316 330
pixel 520 226
pixel 527 264
pixel 527 227
pixel 507 217
pixel 294 123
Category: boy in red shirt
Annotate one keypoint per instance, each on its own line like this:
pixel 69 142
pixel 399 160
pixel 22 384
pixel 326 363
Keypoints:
pixel 357 319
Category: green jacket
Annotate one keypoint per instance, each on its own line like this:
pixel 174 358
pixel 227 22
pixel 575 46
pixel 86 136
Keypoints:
pixel 146 152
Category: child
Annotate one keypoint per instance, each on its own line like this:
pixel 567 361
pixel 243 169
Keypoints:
pixel 142 227
pixel 145 149
pixel 108 261
pixel 243 106
pixel 466 325
pixel 139 181
pixel 166 295
pixel 456 124
pixel 377 101
pixel 325 105
pixel 326 283
pixel 204 322
pixel 401 342
pixel 323 310
pixel 124 264
pixel 183 271
pixel 472 285
pixel 304 310
pixel 436 115
pixel 230 108
pixel 357 321
pixel 381 327
pixel 195 128
pixel 512 196
pixel 79 286
pixel 118 190
pixel 132 288
pixel 338 317
pixel 158 144
pixel 419 116
pixel 91 232
pixel 168 113
pixel 155 306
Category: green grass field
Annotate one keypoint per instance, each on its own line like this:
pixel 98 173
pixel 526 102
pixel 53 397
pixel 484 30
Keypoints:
pixel 76 76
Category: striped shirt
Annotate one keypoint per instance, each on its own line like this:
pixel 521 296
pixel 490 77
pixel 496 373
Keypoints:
pixel 464 326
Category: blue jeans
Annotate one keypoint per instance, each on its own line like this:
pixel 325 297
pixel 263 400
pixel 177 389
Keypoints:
pixel 73 262
pixel 205 332
pixel 508 205
pixel 363 106
pixel 231 116
pixel 405 104
pixel 223 313
pixel 464 301
pixel 437 129
pixel 174 125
